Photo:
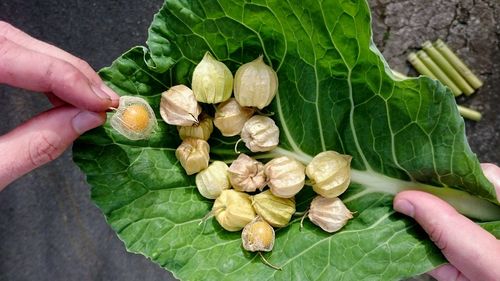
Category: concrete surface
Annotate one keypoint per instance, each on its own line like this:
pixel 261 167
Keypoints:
pixel 472 29
pixel 49 229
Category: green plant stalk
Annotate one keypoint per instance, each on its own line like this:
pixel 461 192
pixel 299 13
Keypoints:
pixel 420 66
pixel 469 113
pixel 458 64
pixel 447 68
pixel 374 182
pixel 441 76
pixel 463 202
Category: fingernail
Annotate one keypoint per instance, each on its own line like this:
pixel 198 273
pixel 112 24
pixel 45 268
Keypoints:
pixel 405 207
pixel 110 93
pixel 100 93
pixel 86 120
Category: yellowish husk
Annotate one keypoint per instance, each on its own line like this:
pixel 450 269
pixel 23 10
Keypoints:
pixel 213 180
pixel 203 130
pixel 275 210
pixel 330 173
pixel 258 236
pixel 285 176
pixel 233 210
pixel 212 81
pixel 255 84
pixel 230 117
pixel 193 154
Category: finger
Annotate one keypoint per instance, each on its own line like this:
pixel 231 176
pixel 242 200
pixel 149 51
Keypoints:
pixel 42 139
pixel 54 100
pixel 22 39
pixel 21 67
pixel 492 172
pixel 447 272
pixel 472 250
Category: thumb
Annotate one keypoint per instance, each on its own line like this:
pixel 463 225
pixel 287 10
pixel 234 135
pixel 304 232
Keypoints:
pixel 492 173
pixel 42 139
pixel 469 248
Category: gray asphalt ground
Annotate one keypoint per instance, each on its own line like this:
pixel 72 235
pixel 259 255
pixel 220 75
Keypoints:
pixel 49 228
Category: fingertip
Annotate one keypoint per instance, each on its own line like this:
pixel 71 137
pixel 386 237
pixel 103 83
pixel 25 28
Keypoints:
pixel 447 272
pixel 104 93
pixel 492 173
pixel 414 203
pixel 112 95
pixel 87 120
pixel 402 205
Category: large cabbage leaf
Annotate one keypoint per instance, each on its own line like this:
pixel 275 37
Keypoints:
pixel 336 93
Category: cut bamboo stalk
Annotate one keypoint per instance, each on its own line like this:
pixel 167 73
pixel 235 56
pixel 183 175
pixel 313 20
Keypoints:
pixel 469 113
pixel 420 66
pixel 441 76
pixel 447 68
pixel 458 64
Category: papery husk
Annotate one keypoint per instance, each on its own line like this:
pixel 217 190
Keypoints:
pixel 126 127
pixel 330 173
pixel 258 236
pixel 275 210
pixel 247 174
pixel 255 84
pixel 230 117
pixel 213 180
pixel 260 134
pixel 233 210
pixel 329 213
pixel 179 107
pixel 212 81
pixel 285 176
pixel 193 154
pixel 202 130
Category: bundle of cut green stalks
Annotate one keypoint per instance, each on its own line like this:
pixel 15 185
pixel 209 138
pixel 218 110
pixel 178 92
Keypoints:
pixel 439 62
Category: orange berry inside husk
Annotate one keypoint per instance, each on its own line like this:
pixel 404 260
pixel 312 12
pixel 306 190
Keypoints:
pixel 136 117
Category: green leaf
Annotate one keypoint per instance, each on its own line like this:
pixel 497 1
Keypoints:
pixel 336 93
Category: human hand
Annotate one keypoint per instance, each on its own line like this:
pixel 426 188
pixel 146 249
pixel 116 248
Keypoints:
pixel 79 96
pixel 472 252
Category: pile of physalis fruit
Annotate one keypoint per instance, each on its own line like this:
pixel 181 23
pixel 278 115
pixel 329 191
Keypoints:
pixel 238 189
